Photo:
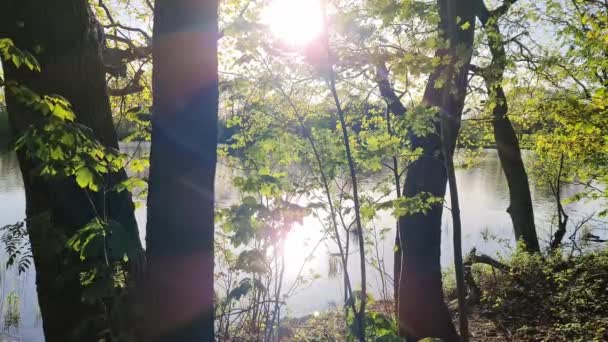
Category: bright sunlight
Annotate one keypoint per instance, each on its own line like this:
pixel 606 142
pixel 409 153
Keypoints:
pixel 295 22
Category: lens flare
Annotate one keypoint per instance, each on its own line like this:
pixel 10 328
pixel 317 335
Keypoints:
pixel 295 22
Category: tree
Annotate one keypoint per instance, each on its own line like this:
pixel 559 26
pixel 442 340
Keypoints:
pixel 572 144
pixel 520 207
pixel 397 109
pixel 565 113
pixel 178 298
pixel 66 40
pixel 422 310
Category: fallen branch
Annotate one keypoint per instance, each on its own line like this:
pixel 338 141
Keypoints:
pixel 474 258
pixel 473 290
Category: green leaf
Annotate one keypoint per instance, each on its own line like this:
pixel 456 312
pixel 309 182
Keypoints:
pixel 131 184
pixel 57 153
pixel 86 179
pixel 63 112
pixel 16 60
pixel 88 241
pixel 368 212
pixel 31 62
pixel 67 139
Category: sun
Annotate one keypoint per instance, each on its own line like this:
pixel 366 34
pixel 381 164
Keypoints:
pixel 294 22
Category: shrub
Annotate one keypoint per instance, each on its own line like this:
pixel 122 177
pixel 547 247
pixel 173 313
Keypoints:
pixel 562 299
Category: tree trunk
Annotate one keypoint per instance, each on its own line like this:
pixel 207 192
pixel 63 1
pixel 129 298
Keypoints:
pixel 395 107
pixel 422 310
pixel 65 33
pixel 178 299
pixel 562 216
pixel 520 207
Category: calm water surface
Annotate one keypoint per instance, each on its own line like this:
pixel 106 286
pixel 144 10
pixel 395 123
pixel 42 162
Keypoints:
pixel 484 199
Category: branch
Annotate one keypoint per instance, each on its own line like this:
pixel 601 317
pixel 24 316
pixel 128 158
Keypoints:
pixel 475 258
pixel 484 14
pixel 150 6
pixel 387 92
pixel 478 71
pixel 502 9
pixel 115 59
pixel 238 17
pixel 113 23
pixel 131 88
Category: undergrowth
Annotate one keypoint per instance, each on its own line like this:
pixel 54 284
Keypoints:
pixel 550 298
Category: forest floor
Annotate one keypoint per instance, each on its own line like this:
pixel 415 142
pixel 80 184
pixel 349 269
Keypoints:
pixel 483 328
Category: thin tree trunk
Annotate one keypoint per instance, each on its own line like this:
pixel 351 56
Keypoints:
pixel 422 310
pixel 394 106
pixel 520 207
pixel 178 301
pixel 66 35
pixel 360 316
pixel 457 233
pixel 562 216
pixel 348 292
pixel 458 261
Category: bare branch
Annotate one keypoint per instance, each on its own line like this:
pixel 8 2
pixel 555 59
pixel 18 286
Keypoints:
pixel 114 23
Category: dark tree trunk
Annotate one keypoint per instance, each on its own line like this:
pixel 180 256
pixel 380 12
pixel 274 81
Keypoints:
pixel 520 207
pixel 422 310
pixel 65 33
pixel 178 302
pixel 562 216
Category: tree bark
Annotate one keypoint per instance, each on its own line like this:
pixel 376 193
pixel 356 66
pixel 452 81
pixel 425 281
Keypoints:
pixel 178 299
pixel 562 216
pixel 520 207
pixel 65 33
pixel 422 310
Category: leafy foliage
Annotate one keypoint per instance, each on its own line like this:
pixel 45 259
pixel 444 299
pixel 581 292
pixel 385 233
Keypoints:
pixel 557 297
pixel 62 148
pixel 286 144
pixel 17 246
pixel 9 52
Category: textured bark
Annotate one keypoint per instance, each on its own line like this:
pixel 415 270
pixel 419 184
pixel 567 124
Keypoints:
pixel 520 207
pixel 422 310
pixel 65 33
pixel 178 299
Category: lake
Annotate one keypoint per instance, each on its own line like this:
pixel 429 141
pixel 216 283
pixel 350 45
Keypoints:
pixel 486 225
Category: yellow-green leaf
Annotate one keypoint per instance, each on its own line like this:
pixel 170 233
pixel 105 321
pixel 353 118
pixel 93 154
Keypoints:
pixel 85 179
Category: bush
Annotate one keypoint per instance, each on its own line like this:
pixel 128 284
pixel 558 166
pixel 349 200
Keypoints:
pixel 558 298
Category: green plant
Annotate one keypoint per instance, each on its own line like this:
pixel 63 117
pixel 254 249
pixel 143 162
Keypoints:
pixel 563 298
pixel 12 316
pixel 17 246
